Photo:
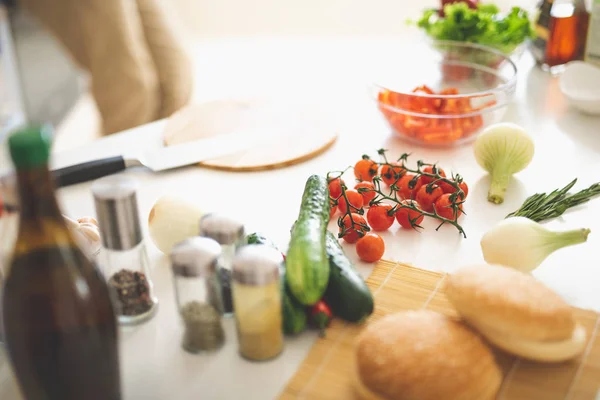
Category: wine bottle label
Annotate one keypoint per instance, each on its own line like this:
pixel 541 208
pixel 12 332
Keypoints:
pixel 542 30
pixel 592 52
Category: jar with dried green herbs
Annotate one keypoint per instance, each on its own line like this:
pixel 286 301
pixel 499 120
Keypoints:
pixel 195 262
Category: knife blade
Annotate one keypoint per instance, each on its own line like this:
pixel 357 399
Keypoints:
pixel 184 154
pixel 161 159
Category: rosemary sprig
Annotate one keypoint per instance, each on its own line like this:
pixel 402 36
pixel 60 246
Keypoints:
pixel 542 206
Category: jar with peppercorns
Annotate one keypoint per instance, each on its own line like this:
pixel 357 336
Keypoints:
pixel 124 261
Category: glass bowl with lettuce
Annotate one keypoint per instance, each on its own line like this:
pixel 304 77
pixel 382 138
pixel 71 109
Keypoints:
pixel 481 24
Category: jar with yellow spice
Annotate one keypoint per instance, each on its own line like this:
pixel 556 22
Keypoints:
pixel 257 301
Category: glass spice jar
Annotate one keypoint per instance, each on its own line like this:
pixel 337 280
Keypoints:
pixel 197 291
pixel 257 301
pixel 229 233
pixel 124 261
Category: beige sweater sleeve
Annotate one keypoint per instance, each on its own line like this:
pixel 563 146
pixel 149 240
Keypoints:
pixel 138 71
pixel 172 64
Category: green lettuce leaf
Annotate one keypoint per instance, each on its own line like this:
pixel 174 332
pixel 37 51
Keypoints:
pixel 483 25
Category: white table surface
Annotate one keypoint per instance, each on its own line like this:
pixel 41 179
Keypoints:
pixel 567 146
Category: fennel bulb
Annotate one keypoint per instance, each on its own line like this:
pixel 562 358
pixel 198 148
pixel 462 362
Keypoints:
pixel 503 150
pixel 523 244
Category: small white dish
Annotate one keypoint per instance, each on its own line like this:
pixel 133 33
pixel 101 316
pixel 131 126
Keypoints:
pixel 580 83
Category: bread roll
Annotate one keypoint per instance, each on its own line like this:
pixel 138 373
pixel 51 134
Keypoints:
pixel 423 355
pixel 510 302
pixel 539 350
pixel 516 312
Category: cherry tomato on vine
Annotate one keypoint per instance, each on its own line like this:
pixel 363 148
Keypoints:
pixel 432 169
pixel 335 187
pixel 354 233
pixel 404 216
pixel 403 186
pixel 379 217
pixel 391 173
pixel 417 187
pixel 333 208
pixel 370 248
pixel 447 188
pixel 465 188
pixel 428 195
pixel 365 170
pixel 408 188
pixel 355 199
pixel 367 191
pixel 443 206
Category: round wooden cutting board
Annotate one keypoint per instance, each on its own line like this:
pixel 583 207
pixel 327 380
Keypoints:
pixel 287 133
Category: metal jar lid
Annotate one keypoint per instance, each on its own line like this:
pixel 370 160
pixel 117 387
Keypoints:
pixel 256 264
pixel 195 257
pixel 221 228
pixel 117 213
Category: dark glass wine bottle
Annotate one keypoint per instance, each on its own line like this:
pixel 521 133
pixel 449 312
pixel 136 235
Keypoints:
pixel 60 327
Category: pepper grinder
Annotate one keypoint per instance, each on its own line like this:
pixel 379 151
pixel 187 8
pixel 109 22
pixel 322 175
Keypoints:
pixel 123 261
pixel 229 233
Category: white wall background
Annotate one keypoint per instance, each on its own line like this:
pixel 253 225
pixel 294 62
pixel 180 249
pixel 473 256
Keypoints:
pixel 225 18
pixel 251 18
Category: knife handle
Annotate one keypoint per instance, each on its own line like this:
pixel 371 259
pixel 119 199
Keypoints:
pixel 88 171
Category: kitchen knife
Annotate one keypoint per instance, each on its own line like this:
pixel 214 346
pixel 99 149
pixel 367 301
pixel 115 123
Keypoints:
pixel 161 159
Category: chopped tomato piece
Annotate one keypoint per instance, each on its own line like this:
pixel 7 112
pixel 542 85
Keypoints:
pixel 433 130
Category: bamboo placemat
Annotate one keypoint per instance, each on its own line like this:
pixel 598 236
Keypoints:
pixel 328 370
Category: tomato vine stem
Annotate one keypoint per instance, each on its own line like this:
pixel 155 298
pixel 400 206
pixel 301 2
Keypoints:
pixel 455 198
pixel 349 206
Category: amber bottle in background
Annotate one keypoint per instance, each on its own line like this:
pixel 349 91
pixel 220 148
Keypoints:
pixel 60 327
pixel 561 28
pixel 592 50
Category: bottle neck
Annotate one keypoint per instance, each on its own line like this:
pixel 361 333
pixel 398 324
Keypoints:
pixel 36 195
pixel 41 222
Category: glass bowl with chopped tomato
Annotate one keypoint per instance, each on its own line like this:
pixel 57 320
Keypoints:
pixel 444 93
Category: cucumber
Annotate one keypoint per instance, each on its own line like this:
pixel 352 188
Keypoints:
pixel 307 264
pixel 294 314
pixel 347 294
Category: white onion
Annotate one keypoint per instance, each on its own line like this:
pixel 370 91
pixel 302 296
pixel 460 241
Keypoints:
pixel 173 220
